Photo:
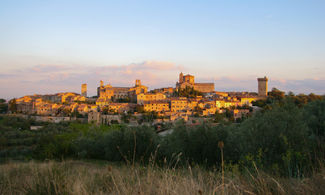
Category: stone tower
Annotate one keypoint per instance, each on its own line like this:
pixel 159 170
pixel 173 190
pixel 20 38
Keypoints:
pixel 137 83
pixel 262 86
pixel 181 76
pixel 101 83
pixel 84 90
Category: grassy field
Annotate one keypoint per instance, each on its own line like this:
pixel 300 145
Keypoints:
pixel 81 177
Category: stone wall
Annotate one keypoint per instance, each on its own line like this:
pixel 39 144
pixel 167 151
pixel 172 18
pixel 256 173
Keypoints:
pixel 204 87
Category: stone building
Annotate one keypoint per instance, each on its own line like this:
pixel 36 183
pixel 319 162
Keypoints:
pixel 44 109
pixel 26 108
pixel 121 107
pixel 144 97
pixel 240 113
pixel 207 104
pixel 178 104
pixel 98 118
pixel 188 81
pixel 84 90
pixel 109 92
pixel 69 97
pixel 55 98
pixel 166 90
pixel 262 86
pixel 247 100
pixel 156 106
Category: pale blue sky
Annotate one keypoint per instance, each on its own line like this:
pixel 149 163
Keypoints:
pixel 226 42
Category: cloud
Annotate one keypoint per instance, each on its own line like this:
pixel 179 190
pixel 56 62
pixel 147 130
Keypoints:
pixel 48 68
pixel 139 69
pixel 156 65
pixel 45 79
pixel 301 86
pixel 250 84
pixel 6 75
pixel 55 78
pixel 235 84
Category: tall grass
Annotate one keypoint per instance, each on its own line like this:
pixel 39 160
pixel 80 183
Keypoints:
pixel 78 177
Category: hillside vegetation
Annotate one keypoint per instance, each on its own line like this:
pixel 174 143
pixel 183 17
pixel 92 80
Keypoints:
pixel 285 139
pixel 279 150
pixel 77 177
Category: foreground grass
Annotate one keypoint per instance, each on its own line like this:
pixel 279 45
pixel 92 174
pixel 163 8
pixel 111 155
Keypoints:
pixel 79 177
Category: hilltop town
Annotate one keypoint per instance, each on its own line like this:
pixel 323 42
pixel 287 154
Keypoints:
pixel 189 101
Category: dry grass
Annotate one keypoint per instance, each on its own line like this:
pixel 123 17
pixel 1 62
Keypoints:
pixel 76 177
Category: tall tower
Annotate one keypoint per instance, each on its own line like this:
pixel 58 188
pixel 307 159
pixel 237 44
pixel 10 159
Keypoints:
pixel 101 83
pixel 137 83
pixel 84 90
pixel 180 78
pixel 262 86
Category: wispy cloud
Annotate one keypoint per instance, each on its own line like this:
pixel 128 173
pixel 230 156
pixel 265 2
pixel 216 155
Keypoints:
pixel 6 75
pixel 44 68
pixel 51 78
pixel 250 84
pixel 54 78
pixel 301 86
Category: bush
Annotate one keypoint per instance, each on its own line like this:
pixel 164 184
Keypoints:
pixel 129 144
pixel 197 145
pixel 276 138
pixel 125 144
pixel 314 115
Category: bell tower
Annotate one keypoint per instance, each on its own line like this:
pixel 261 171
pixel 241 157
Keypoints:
pixel 84 90
pixel 137 83
pixel 181 77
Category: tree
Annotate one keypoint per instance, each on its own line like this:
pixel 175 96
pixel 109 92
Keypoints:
pixel 149 116
pixel 301 99
pixel 276 94
pixel 3 106
pixel 114 122
pixel 229 115
pixel 126 117
pixel 139 109
pixel 219 117
pixel 105 110
pixel 66 112
pixel 314 114
pixel 276 138
pixel 259 103
pixel 187 92
pixel 313 97
pixel 13 105
pixel 77 114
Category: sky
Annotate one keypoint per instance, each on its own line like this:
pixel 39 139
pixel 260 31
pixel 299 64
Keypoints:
pixel 50 46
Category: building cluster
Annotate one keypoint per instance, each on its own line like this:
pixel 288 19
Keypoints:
pixel 60 104
pixel 188 81
pixel 166 103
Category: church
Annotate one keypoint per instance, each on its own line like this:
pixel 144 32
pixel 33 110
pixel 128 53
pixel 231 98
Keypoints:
pixel 188 80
